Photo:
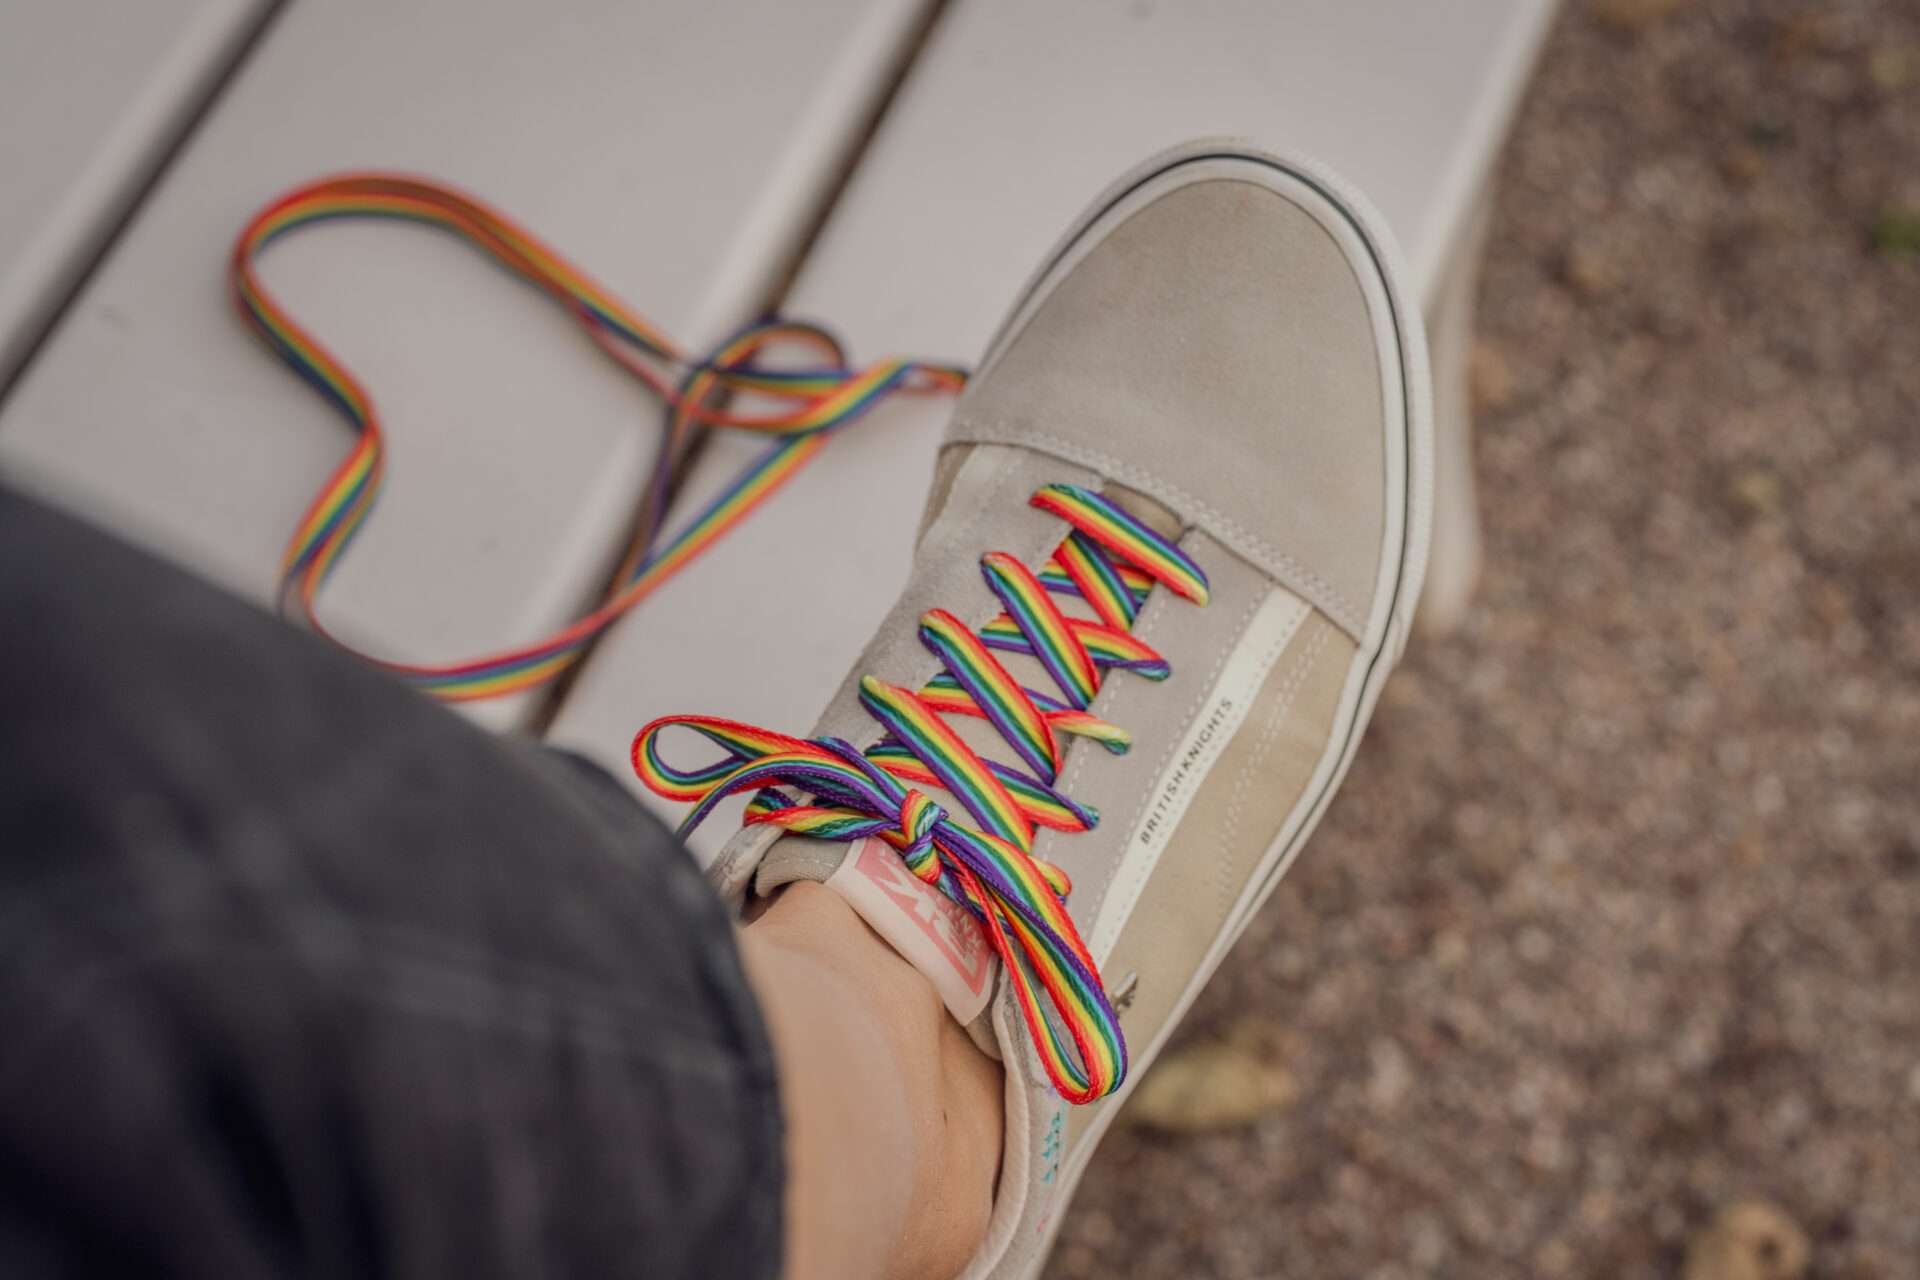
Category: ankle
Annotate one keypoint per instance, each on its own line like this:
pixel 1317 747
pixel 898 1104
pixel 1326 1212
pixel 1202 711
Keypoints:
pixel 893 1114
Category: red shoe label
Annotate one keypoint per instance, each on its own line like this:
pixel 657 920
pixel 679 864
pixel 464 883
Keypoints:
pixel 932 932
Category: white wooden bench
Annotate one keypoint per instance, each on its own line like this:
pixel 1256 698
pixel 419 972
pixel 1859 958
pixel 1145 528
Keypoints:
pixel 93 95
pixel 679 151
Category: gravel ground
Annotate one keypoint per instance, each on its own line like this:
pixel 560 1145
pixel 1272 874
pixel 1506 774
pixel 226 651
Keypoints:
pixel 1607 960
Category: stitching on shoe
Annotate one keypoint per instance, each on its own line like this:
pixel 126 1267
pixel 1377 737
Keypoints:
pixel 1324 595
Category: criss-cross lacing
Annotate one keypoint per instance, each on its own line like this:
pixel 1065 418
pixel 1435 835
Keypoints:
pixel 1109 559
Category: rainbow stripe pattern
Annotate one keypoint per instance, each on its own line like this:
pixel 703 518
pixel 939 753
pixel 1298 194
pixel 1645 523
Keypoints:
pixel 1107 524
pixel 1109 559
pixel 699 394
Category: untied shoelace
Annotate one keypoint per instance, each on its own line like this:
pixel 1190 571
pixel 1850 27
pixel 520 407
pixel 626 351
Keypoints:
pixel 1111 560
pixel 812 403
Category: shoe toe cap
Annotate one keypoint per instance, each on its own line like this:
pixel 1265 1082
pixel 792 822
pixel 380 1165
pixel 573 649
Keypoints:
pixel 1221 345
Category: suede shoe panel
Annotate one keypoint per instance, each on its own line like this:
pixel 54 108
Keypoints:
pixel 1217 343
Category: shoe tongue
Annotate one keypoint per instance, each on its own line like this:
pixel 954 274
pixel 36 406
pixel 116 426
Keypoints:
pixel 794 858
pixel 1146 510
pixel 931 932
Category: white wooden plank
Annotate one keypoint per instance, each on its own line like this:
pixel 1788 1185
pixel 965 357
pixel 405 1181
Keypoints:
pixel 1016 115
pixel 92 93
pixel 676 150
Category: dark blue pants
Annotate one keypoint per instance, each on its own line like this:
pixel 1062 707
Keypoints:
pixel 302 975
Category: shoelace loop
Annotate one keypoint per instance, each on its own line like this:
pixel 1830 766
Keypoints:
pixel 1110 559
pixel 812 403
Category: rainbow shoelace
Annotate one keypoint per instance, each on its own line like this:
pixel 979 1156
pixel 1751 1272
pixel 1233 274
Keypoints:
pixel 1108 559
pixel 812 403
pixel 1111 561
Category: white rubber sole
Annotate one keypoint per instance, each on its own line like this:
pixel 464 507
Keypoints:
pixel 1408 440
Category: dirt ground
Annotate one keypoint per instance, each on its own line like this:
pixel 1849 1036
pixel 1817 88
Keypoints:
pixel 1617 922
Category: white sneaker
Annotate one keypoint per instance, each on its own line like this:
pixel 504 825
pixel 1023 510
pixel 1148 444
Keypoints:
pixel 1173 549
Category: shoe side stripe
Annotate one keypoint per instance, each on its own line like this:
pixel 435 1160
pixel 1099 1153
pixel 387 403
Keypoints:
pixel 1241 677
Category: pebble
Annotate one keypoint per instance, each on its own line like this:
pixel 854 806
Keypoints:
pixel 1591 269
pixel 1489 378
pixel 1392 1075
pixel 1756 491
pixel 1210 1086
pixel 1749 1240
pixel 1893 67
